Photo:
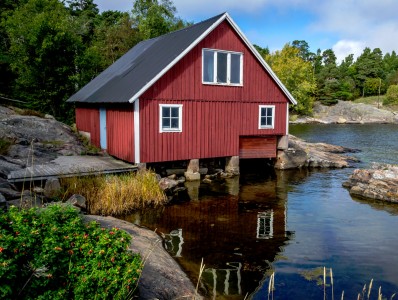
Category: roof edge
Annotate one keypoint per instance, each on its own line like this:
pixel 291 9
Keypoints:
pixel 261 59
pixel 178 58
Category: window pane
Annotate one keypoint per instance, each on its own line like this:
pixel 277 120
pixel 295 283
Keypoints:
pixel 222 67
pixel 174 123
pixel 269 121
pixel 235 68
pixel 174 112
pixel 208 66
pixel 165 112
pixel 269 111
pixel 263 121
pixel 165 123
pixel 263 111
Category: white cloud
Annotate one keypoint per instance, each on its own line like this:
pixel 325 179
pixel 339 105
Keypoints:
pixel 345 47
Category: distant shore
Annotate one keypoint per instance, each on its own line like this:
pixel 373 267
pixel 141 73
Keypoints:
pixel 346 112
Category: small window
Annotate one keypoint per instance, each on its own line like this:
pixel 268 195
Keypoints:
pixel 265 225
pixel 222 67
pixel 266 116
pixel 170 117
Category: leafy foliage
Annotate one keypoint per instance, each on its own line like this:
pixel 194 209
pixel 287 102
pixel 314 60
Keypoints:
pixel 52 254
pixel 391 95
pixel 296 74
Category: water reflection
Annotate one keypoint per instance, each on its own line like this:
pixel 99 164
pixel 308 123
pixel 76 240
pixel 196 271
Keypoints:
pixel 237 230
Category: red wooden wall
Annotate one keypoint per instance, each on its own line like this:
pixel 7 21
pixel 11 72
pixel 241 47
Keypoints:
pixel 120 132
pixel 214 116
pixel 87 119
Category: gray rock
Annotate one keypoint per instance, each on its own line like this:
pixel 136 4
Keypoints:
pixel 78 201
pixel 167 184
pixel 347 112
pixel 10 194
pixel 313 155
pixel 380 182
pixel 162 277
pixel 52 187
pixel 28 201
pixel 172 176
pixel 189 176
pixel 193 166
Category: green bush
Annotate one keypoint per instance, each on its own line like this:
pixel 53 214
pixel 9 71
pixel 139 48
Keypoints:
pixel 5 145
pixel 391 95
pixel 51 254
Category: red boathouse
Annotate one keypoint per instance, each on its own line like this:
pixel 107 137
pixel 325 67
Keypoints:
pixel 199 92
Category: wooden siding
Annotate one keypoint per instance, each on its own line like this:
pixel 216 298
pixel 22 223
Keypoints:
pixel 87 119
pixel 214 116
pixel 257 147
pixel 120 133
pixel 209 129
pixel 184 80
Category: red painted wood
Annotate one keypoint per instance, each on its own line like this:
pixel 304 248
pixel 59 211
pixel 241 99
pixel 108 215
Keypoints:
pixel 257 147
pixel 120 133
pixel 87 119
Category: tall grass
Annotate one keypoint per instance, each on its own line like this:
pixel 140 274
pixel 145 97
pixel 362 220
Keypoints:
pixel 115 194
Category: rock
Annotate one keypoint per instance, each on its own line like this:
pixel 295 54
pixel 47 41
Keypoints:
pixel 162 277
pixel 207 180
pixel 4 183
pixel 380 182
pixel 232 165
pixel 181 180
pixel 10 194
pixel 28 201
pixel 189 176
pixel 52 187
pixel 38 190
pixel 172 176
pixel 3 203
pixel 167 183
pixel 78 201
pixel 193 166
pixel 347 112
pixel 313 155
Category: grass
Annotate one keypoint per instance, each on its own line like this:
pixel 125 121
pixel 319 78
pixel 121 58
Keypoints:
pixel 116 194
pixel 5 145
pixel 28 112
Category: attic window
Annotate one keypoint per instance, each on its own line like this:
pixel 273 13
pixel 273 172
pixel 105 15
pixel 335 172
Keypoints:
pixel 170 117
pixel 222 67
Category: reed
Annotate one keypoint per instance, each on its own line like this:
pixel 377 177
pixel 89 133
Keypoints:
pixel 115 194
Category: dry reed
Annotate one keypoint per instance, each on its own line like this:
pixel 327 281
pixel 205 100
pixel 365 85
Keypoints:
pixel 116 194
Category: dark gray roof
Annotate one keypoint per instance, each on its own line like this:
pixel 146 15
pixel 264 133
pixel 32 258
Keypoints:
pixel 141 64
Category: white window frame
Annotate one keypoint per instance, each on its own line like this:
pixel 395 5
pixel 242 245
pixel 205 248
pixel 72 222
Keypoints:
pixel 259 117
pixel 265 232
pixel 179 129
pixel 214 82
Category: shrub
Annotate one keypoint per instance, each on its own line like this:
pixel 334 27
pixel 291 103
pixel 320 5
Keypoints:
pixel 116 194
pixel 51 254
pixel 5 145
pixel 391 95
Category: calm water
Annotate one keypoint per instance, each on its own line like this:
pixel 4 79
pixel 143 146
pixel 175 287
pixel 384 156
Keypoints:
pixel 292 223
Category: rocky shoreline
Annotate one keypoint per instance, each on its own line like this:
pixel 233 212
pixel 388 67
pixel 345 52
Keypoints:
pixel 380 182
pixel 346 112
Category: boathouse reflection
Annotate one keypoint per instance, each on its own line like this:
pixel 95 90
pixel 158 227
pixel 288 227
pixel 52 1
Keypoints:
pixel 238 231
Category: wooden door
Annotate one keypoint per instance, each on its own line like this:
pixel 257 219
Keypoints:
pixel 257 147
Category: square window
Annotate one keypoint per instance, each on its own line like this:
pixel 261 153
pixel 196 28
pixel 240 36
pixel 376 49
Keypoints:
pixel 266 116
pixel 170 118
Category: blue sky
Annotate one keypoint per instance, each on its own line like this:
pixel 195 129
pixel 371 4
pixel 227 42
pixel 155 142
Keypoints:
pixel 346 26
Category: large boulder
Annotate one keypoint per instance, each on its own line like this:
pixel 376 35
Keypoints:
pixel 313 155
pixel 380 182
pixel 162 277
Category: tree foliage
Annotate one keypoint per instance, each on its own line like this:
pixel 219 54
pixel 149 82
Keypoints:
pixel 296 74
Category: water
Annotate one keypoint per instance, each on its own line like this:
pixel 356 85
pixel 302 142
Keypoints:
pixel 292 223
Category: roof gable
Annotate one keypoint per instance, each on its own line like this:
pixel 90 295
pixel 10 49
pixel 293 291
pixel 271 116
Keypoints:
pixel 133 73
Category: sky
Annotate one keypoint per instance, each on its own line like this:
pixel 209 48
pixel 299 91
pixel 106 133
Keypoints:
pixel 346 26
